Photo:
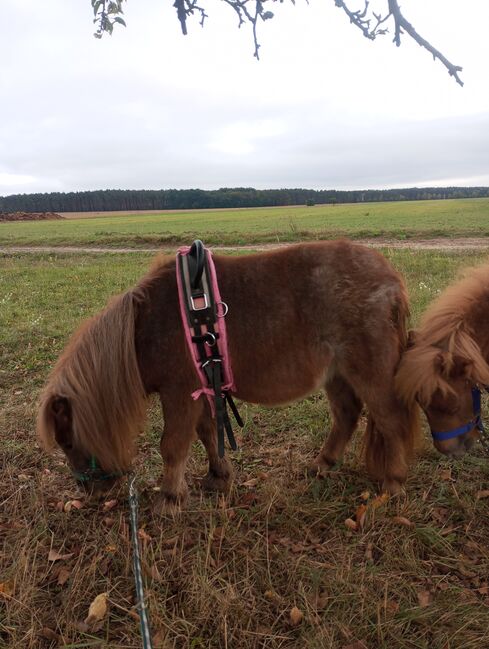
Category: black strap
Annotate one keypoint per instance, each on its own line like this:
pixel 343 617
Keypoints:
pixel 211 363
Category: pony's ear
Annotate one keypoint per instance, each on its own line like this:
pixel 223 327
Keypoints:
pixel 461 368
pixel 454 367
pixel 60 411
pixel 412 338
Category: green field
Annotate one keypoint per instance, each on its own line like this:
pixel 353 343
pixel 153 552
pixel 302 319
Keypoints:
pixel 401 220
pixel 226 573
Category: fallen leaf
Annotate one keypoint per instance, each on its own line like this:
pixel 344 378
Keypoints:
pixel 67 506
pixel 77 504
pixel 378 501
pixel 402 520
pixel 360 515
pixel 425 597
pixel 484 590
pixel 110 504
pixel 60 506
pixel 369 552
pixel 110 548
pixel 109 521
pixel 144 536
pixel 391 606
pixel 295 616
pixel 251 483
pixel 482 494
pixel 24 477
pixel 446 474
pixel 49 634
pixel 7 589
pixel 63 576
pixel 365 495
pixel 97 609
pixel 56 556
pixel 351 524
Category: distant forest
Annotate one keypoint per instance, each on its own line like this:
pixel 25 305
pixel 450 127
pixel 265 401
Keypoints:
pixel 190 199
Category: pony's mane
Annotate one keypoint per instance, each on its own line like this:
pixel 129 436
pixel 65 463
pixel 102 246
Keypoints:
pixel 99 375
pixel 444 337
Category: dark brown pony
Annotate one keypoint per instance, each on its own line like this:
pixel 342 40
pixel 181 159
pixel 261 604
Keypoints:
pixel 448 360
pixel 326 315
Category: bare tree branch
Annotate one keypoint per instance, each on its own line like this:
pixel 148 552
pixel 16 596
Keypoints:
pixel 362 20
pixel 401 23
pixel 108 12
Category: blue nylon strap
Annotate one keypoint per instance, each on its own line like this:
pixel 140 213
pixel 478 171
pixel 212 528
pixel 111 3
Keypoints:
pixel 461 430
pixel 455 432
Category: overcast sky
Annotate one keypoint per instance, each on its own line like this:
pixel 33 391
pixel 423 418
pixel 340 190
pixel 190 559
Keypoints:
pixel 324 107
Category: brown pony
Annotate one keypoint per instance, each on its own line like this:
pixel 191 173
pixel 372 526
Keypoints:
pixel 447 363
pixel 328 315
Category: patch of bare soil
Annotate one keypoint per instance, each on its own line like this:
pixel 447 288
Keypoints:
pixel 441 243
pixel 29 216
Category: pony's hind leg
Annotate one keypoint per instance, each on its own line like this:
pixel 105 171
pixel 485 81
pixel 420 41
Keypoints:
pixel 220 474
pixel 345 409
pixel 181 417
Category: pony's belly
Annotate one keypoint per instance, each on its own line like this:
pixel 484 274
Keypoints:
pixel 275 388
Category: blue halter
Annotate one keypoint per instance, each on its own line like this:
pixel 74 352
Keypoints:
pixel 475 422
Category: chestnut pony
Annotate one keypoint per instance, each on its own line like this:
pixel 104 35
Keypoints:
pixel 325 315
pixel 447 363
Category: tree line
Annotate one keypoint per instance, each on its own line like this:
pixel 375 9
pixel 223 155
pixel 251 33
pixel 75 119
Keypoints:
pixel 188 199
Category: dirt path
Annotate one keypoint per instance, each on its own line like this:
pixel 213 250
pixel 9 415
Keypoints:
pixel 441 243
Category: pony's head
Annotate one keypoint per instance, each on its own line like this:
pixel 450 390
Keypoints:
pixel 94 401
pixel 445 379
pixel 56 426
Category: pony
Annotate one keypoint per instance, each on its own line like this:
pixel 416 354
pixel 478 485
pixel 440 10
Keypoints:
pixel 447 363
pixel 322 315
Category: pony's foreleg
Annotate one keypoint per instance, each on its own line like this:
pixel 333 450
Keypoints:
pixel 181 417
pixel 220 474
pixel 386 450
pixel 345 409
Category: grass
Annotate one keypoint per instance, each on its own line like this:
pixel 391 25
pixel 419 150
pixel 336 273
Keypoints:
pixel 227 572
pixel 401 220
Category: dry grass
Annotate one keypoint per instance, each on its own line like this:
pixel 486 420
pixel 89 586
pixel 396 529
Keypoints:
pixel 226 573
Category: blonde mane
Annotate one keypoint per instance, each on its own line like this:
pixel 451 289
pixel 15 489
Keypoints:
pixel 99 375
pixel 445 336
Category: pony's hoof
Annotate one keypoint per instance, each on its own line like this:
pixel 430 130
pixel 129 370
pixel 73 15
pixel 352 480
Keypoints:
pixel 319 467
pixel 213 483
pixel 168 504
pixel 393 487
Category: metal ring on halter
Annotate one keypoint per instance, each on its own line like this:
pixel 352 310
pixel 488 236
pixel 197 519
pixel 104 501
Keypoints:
pixel 213 340
pixel 225 309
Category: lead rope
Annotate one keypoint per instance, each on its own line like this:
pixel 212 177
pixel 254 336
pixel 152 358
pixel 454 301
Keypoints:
pixel 138 574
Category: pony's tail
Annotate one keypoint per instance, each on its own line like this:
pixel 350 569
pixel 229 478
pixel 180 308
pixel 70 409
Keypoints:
pixel 98 376
pixel 410 426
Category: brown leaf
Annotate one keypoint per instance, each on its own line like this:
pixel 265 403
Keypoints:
pixel 295 616
pixel 97 610
pixel 251 483
pixel 380 500
pixel 63 576
pixel 110 504
pixel 49 634
pixel 483 590
pixel 402 520
pixel 446 474
pixel 425 597
pixel 144 536
pixel 482 494
pixel 349 522
pixel 7 589
pixel 24 477
pixel 56 556
pixel 360 515
pixel 369 556
pixel 365 495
